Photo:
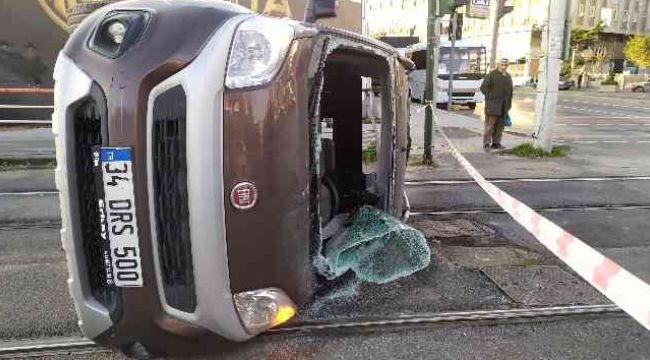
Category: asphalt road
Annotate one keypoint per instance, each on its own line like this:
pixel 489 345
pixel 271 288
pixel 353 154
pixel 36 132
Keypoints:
pixel 610 215
pixel 611 121
pixel 34 300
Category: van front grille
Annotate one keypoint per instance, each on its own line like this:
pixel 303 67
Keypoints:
pixel 87 124
pixel 170 196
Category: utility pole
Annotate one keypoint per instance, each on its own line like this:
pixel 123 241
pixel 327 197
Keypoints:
pixel 453 18
pixel 496 17
pixel 500 8
pixel 547 91
pixel 433 43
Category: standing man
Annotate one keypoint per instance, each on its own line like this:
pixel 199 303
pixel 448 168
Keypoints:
pixel 497 88
pixel 581 76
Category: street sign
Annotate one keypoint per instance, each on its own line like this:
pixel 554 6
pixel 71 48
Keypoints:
pixel 478 9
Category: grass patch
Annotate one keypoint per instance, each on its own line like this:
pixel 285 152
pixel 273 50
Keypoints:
pixel 27 163
pixel 418 160
pixel 528 150
pixel 369 154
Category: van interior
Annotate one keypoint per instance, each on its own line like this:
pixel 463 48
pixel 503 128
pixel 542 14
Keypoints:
pixel 354 165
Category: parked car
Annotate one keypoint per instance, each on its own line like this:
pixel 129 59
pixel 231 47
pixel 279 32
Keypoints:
pixel 565 84
pixel 194 175
pixel 642 88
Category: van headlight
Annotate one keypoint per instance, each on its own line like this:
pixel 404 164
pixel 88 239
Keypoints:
pixel 258 51
pixel 262 309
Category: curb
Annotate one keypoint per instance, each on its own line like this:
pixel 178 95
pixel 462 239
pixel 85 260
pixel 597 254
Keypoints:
pixel 11 163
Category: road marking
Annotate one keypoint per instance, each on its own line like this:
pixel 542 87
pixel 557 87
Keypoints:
pixel 557 209
pixel 615 136
pixel 615 141
pixel 605 104
pixel 587 117
pixel 501 181
pixel 596 125
pixel 585 142
pixel 587 110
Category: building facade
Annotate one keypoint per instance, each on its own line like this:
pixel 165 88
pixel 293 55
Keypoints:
pixel 520 31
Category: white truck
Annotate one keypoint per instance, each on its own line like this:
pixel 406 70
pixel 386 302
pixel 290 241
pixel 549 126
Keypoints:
pixel 469 67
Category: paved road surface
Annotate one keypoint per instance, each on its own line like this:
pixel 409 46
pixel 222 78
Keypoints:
pixel 34 302
pixel 583 118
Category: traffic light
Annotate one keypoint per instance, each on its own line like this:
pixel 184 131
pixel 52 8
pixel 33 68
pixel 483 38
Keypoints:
pixel 449 6
pixel 507 6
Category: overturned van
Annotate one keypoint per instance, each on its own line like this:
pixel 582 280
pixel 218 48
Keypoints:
pixel 201 149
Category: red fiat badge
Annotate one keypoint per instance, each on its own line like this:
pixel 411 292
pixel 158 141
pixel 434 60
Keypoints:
pixel 243 196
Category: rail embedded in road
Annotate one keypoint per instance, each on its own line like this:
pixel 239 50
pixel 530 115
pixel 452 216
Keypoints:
pixel 68 345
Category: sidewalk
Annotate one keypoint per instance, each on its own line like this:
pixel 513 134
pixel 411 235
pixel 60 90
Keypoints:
pixel 466 134
pixel 23 143
pixel 595 91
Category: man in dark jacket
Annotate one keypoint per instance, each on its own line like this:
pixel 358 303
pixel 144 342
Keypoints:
pixel 497 88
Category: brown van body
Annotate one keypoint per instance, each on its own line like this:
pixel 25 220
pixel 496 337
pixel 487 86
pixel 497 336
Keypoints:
pixel 268 141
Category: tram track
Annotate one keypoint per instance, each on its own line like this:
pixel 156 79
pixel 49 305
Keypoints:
pixel 45 347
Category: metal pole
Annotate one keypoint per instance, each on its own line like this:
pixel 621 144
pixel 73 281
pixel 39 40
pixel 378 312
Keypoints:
pixel 547 91
pixel 495 32
pixel 432 77
pixel 309 12
pixel 452 55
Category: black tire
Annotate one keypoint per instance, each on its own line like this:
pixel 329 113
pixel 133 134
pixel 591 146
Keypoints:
pixel 77 13
pixel 638 89
pixel 472 106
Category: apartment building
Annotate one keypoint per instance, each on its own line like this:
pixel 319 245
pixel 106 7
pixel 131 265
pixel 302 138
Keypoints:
pixel 396 18
pixel 520 31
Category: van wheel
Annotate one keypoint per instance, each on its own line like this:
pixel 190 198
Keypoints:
pixel 638 89
pixel 77 13
pixel 472 106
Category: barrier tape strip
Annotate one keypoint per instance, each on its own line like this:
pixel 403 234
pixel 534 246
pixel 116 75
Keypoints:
pixel 627 291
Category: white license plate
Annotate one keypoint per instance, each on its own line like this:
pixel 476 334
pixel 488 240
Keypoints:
pixel 120 222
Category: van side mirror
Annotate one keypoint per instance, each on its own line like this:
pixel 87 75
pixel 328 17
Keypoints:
pixel 320 9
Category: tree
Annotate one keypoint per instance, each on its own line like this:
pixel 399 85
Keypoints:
pixel 637 50
pixel 585 38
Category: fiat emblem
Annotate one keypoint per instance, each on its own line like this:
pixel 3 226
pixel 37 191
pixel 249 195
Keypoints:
pixel 243 196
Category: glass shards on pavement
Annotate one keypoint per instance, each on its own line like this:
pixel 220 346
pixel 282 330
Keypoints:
pixel 376 246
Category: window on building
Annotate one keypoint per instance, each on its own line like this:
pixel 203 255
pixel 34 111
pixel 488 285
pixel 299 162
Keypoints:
pixel 581 8
pixel 592 9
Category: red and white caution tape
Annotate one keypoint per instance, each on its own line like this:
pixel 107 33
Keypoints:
pixel 627 291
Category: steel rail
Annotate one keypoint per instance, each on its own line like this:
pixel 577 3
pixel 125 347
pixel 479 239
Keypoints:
pixel 41 347
pixel 26 122
pixel 23 106
pixel 466 316
pixel 45 347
